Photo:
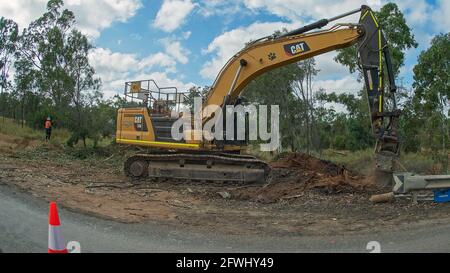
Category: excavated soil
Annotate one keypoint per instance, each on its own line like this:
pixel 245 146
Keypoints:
pixel 295 174
pixel 305 196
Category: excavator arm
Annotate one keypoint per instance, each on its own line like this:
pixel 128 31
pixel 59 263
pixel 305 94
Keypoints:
pixel 375 62
pixel 271 52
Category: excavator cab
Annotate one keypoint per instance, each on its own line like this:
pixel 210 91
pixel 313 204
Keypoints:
pixel 154 110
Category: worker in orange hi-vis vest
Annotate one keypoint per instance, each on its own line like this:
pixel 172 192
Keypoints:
pixel 48 129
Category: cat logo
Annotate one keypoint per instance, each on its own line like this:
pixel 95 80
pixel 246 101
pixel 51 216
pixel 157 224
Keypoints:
pixel 138 119
pixel 139 123
pixel 297 48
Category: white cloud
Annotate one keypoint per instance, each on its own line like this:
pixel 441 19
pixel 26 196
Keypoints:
pixel 186 35
pixel 158 59
pixel 417 12
pixel 173 14
pixel 116 68
pixel 329 68
pixel 176 50
pixel 219 7
pixel 296 9
pixel 441 16
pixel 23 11
pixel 424 15
pixel 347 84
pixel 91 16
pixel 231 42
pixel 136 36
pixel 105 59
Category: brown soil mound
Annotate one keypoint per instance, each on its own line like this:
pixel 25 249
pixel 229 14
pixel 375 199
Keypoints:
pixel 296 174
pixel 306 162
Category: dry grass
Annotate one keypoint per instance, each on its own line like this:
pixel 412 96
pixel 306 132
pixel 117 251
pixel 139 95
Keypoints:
pixel 422 163
pixel 13 128
pixel 59 136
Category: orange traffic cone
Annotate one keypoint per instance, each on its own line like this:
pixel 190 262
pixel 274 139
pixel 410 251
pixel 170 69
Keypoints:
pixel 56 242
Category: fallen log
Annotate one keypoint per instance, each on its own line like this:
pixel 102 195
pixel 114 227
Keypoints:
pixel 382 198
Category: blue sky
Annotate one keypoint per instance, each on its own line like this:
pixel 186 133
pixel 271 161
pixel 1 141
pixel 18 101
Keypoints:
pixel 186 42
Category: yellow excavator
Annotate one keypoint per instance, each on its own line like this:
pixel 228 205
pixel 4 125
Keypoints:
pixel 162 156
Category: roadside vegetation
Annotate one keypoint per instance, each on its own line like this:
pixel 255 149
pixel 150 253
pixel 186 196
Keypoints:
pixel 11 127
pixel 28 144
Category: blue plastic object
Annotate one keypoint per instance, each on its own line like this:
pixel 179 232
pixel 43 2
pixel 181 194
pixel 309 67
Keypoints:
pixel 442 196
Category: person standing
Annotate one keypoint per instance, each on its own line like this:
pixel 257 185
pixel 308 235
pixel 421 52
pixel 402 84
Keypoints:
pixel 48 129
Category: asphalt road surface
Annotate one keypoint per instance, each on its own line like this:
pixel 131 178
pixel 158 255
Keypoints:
pixel 24 228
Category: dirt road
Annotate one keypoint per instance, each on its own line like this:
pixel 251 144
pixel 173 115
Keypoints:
pixel 24 229
pixel 306 197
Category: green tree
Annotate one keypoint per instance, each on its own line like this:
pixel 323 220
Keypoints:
pixel 305 100
pixel 432 93
pixel 432 75
pixel 351 129
pixel 8 42
pixel 53 64
pixel 195 92
pixel 24 79
pixel 82 87
pixel 42 48
pixel 275 88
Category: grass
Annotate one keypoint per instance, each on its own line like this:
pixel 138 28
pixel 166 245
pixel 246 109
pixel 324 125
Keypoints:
pixel 426 163
pixel 358 160
pixel 421 163
pixel 59 136
pixel 58 149
pixel 14 128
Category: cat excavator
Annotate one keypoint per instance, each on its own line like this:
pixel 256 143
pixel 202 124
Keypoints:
pixel 149 125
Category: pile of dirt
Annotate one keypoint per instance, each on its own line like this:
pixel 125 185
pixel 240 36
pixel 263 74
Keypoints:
pixel 306 162
pixel 296 174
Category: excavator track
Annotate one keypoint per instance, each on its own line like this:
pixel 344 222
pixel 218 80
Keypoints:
pixel 219 167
